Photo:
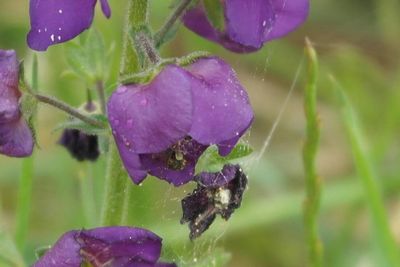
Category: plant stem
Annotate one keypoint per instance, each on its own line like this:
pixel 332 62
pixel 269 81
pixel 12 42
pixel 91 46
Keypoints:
pixel 146 47
pixel 88 201
pixel 115 187
pixel 26 179
pixel 313 182
pixel 372 190
pixel 136 15
pixel 24 200
pixel 116 182
pixel 102 96
pixel 68 109
pixel 174 17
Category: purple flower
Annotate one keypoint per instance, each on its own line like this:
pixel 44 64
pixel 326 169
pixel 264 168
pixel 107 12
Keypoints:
pixel 57 21
pixel 163 127
pixel 15 136
pixel 116 246
pixel 249 24
pixel 216 193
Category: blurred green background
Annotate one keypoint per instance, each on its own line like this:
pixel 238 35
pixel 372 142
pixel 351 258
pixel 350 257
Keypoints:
pixel 357 41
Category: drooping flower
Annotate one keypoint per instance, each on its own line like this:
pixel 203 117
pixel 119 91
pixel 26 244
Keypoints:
pixel 116 246
pixel 249 24
pixel 54 22
pixel 82 146
pixel 216 193
pixel 15 135
pixel 163 127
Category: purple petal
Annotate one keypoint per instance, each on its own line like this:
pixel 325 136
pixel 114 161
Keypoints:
pixel 117 246
pixel 131 162
pixel 105 7
pixel 15 136
pixel 157 164
pixel 16 139
pixel 289 15
pixel 9 92
pixel 150 118
pixel 65 253
pixel 120 244
pixel 54 22
pixel 249 24
pixel 218 179
pixel 222 110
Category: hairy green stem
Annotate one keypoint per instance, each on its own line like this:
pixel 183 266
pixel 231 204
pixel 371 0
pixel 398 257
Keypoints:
pixel 116 182
pixel 313 181
pixel 24 200
pixel 146 47
pixel 175 16
pixel 366 172
pixel 26 179
pixel 102 96
pixel 52 101
pixel 115 186
pixel 87 195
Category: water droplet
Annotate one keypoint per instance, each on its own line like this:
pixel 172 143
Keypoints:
pixel 143 102
pixel 129 123
pixel 121 89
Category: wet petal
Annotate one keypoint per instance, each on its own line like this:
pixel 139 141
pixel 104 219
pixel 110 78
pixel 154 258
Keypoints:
pixel 150 118
pixel 54 22
pixel 249 24
pixel 117 246
pixel 222 110
pixel 9 92
pixel 165 165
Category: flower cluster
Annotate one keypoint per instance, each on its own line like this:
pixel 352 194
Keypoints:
pixel 15 135
pixel 163 127
pixel 116 246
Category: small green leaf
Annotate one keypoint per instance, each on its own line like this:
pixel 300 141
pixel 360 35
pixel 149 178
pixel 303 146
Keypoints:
pixel 28 106
pixel 40 251
pixel 88 60
pixel 215 13
pixel 9 255
pixel 212 161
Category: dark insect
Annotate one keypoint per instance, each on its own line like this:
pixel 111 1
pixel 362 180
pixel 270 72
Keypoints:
pixel 216 193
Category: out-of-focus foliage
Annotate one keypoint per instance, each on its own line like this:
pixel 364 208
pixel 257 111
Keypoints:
pixel 357 41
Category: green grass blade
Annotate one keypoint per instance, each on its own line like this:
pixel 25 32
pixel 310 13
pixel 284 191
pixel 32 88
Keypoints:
pixel 310 149
pixel 372 190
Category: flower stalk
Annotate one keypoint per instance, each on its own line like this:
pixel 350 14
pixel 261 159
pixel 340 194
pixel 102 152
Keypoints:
pixel 313 181
pixel 174 17
pixel 52 101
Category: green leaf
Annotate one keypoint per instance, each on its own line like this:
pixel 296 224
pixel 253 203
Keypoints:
pixel 9 255
pixel 28 106
pixel 215 13
pixel 212 161
pixel 84 127
pixel 89 59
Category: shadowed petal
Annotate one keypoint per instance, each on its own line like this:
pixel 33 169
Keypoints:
pixel 221 105
pixel 54 22
pixel 150 118
pixel 105 7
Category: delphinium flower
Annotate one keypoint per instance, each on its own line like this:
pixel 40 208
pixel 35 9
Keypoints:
pixel 216 193
pixel 247 25
pixel 15 135
pixel 116 246
pixel 163 127
pixel 54 22
pixel 82 146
